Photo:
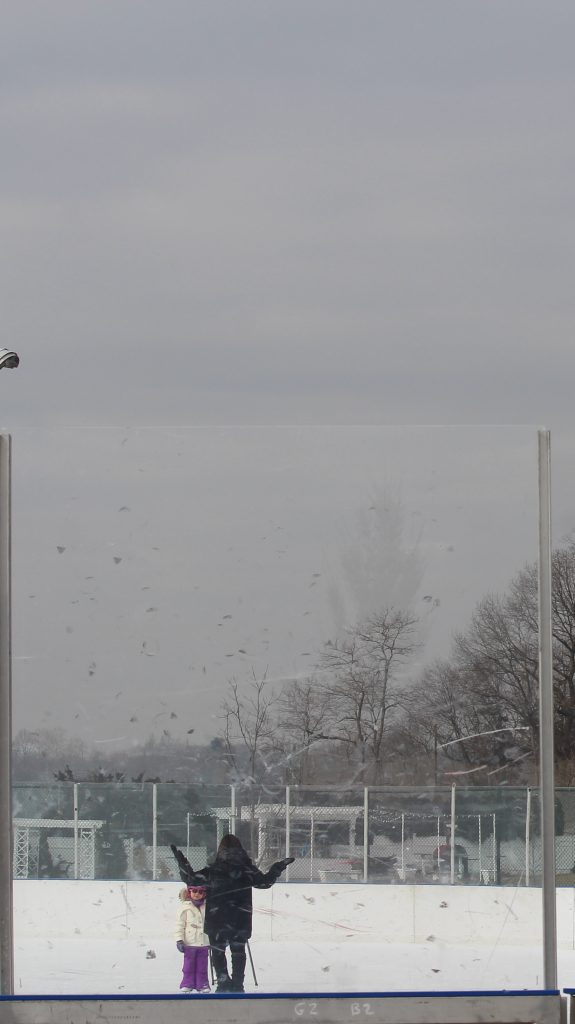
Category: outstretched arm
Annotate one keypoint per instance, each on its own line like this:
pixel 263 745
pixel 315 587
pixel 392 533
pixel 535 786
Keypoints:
pixel 265 880
pixel 187 873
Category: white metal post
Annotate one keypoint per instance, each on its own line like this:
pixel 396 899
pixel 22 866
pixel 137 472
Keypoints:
pixel 76 872
pixel 187 835
pixel 261 844
pixel 311 831
pixel 452 838
pixel 6 827
pixel 287 830
pixel 528 838
pixel 546 739
pixel 403 847
pixel 233 809
pixel 365 833
pixel 495 878
pixel 154 830
pixel 479 847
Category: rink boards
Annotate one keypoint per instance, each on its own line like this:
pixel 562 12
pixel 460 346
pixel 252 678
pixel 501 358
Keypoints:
pixel 522 1007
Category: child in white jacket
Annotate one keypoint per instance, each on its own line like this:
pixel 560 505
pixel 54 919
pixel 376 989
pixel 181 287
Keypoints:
pixel 192 941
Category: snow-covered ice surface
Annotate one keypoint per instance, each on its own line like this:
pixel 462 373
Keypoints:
pixel 104 966
pixel 102 938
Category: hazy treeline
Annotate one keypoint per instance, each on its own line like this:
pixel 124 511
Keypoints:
pixel 49 754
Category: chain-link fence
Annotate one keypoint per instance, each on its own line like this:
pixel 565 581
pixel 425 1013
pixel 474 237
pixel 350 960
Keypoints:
pixel 451 835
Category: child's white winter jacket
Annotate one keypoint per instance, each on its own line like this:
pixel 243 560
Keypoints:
pixel 190 924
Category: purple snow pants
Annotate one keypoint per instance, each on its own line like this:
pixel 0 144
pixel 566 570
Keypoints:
pixel 195 970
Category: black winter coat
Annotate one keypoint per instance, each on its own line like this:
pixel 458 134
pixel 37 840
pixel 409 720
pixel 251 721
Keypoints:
pixel 229 881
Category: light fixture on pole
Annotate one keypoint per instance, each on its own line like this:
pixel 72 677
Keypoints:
pixel 8 360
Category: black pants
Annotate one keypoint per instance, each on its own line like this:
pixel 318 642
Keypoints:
pixel 218 945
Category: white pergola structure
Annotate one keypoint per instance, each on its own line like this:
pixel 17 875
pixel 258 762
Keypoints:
pixel 82 844
pixel 285 815
pixel 311 816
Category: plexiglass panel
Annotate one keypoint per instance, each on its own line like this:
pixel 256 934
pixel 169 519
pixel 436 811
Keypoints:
pixel 321 640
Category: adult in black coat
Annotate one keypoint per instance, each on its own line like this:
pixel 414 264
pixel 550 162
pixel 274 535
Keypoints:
pixel 229 881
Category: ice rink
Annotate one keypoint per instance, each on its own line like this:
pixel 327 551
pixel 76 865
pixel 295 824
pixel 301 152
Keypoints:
pixel 111 937
pixel 100 966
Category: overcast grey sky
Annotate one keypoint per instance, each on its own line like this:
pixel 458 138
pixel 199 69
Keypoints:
pixel 305 211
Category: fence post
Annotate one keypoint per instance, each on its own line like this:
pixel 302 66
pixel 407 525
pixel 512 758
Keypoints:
pixel 479 847
pixel 187 835
pixel 452 837
pixel 495 878
pixel 287 829
pixel 233 809
pixel 365 833
pixel 154 830
pixel 311 844
pixel 528 838
pixel 76 872
pixel 402 847
pixel 262 842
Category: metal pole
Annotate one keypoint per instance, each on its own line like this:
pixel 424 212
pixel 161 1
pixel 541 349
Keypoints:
pixel 187 835
pixel 252 964
pixel 403 847
pixel 496 878
pixel 528 838
pixel 6 836
pixel 233 809
pixel 76 858
pixel 261 843
pixel 452 837
pixel 479 847
pixel 311 845
pixel 546 745
pixel 365 833
pixel 154 830
pixel 287 829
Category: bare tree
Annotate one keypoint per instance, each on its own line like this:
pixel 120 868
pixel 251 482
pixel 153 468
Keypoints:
pixel 248 734
pixel 364 686
pixel 499 653
pixel 302 715
pixel 249 726
pixel 486 696
pixel 455 731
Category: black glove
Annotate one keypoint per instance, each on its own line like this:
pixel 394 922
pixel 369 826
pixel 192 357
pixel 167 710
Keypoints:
pixel 185 869
pixel 281 865
pixel 180 945
pixel 182 863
